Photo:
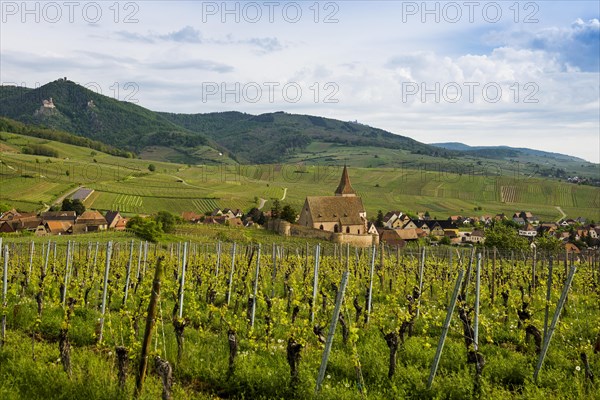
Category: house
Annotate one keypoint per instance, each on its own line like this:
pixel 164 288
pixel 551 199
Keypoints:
pixel 398 237
pixel 423 226
pixel 235 221
pixel 528 231
pixel 114 220
pixel 6 227
pixel 455 218
pixel 436 229
pixel 40 230
pixel 519 220
pixel 93 220
pixel 121 224
pixel 191 216
pixel 372 229
pixel 409 224
pixel 343 212
pixel 14 214
pixel 453 236
pixel 477 236
pixel 217 219
pixel 68 216
pixel 391 219
pixel 57 227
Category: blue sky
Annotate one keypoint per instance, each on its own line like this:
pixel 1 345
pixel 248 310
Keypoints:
pixel 482 73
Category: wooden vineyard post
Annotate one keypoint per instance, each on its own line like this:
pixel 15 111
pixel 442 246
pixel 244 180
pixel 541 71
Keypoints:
pixel 138 271
pixel 548 336
pixel 421 268
pixel 218 259
pixel 370 292
pixel 105 288
pixel 315 283
pixel 381 269
pixel 493 291
pixel 31 251
pixel 182 279
pixel 4 291
pixel 150 320
pixel 334 319
pixel 548 294
pixel 255 291
pixel 477 287
pixel 274 270
pixel 440 346
pixel 230 283
pixel 533 262
pixel 66 281
pixel 128 274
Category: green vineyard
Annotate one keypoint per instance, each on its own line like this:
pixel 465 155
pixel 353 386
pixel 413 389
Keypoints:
pixel 83 319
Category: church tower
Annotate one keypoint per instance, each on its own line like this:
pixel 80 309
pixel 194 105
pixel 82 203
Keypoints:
pixel 345 189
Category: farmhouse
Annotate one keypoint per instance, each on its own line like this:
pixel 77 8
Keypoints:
pixel 342 213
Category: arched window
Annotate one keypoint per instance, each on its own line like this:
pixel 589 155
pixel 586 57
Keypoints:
pixel 359 231
pixel 336 228
pixel 321 227
pixel 347 229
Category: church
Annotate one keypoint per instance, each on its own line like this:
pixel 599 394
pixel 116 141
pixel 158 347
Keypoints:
pixel 342 213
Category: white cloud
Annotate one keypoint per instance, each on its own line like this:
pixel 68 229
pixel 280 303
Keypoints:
pixel 368 55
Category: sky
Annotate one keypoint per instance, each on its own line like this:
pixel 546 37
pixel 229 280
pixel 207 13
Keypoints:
pixel 523 74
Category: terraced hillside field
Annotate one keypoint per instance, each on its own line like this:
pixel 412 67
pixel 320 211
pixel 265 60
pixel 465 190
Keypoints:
pixel 30 181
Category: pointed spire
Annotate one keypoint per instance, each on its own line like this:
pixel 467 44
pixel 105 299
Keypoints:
pixel 345 188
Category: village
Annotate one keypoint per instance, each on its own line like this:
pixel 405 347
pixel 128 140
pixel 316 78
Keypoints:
pixel 340 218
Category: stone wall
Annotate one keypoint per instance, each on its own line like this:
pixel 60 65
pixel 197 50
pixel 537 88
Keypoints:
pixel 287 229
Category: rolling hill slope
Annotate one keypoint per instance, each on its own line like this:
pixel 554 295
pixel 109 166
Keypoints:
pixel 30 181
pixel 278 137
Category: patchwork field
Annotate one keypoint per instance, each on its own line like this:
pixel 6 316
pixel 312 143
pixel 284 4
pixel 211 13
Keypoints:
pixel 30 181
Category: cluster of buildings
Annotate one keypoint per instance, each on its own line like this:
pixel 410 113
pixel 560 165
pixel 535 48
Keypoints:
pixel 225 216
pixel 398 229
pixel 61 222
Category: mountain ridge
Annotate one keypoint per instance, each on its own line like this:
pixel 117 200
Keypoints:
pixel 236 137
pixel 458 146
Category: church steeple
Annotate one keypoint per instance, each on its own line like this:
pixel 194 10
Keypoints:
pixel 345 188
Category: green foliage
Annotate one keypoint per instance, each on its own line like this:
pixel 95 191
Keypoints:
pixel 146 228
pixel 275 209
pixel 73 205
pixel 379 220
pixel 288 213
pixel 548 244
pixel 151 167
pixel 445 240
pixel 9 125
pixel 503 236
pixel 4 207
pixel 40 150
pixel 167 221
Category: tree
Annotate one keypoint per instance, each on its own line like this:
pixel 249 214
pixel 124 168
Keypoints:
pixel 275 209
pixel 289 214
pixel 256 215
pixel 73 205
pixel 167 220
pixel 548 244
pixel 145 228
pixel 379 220
pixel 504 237
pixel 151 167
pixel 4 207
pixel 445 240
